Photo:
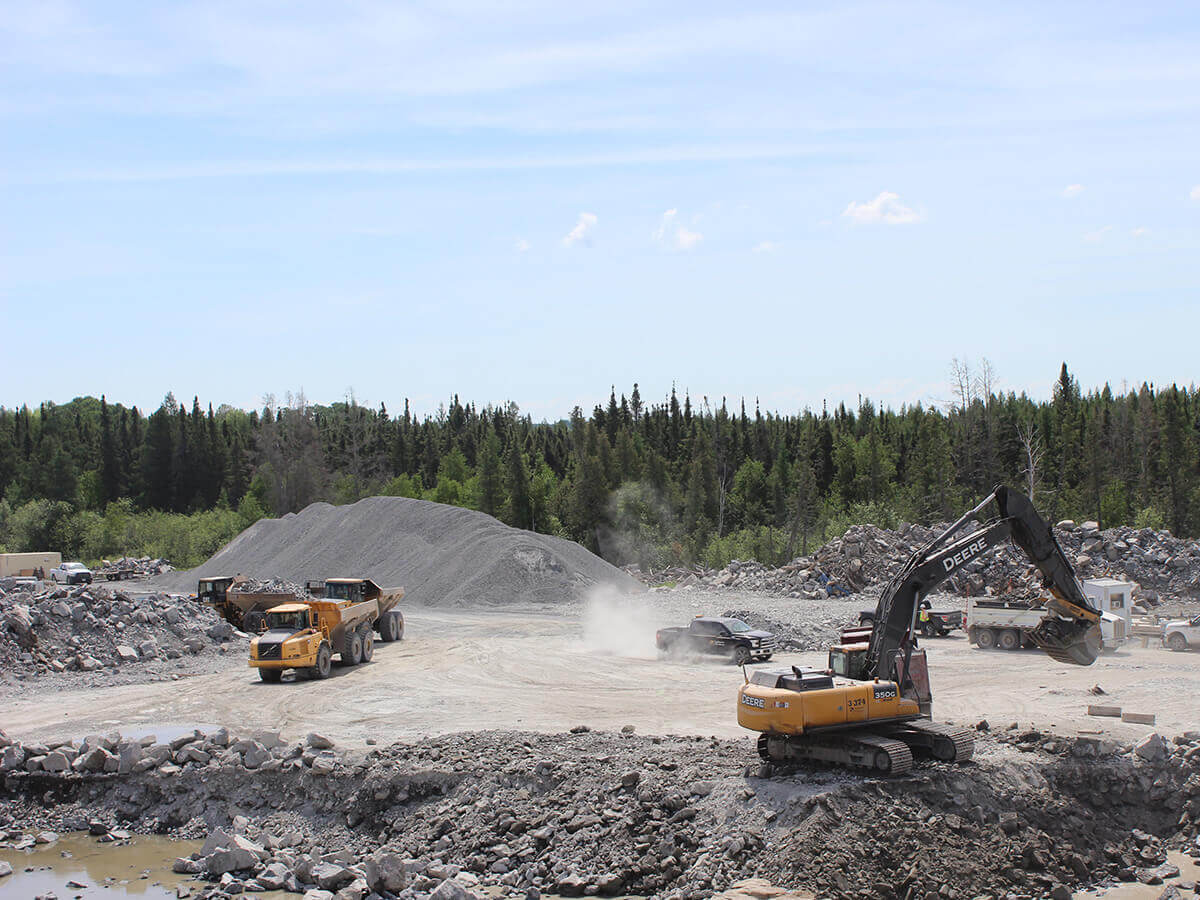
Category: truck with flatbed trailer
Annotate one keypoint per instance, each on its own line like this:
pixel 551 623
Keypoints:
pixel 930 622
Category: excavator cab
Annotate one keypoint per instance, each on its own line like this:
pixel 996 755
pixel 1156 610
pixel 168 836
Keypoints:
pixel 849 660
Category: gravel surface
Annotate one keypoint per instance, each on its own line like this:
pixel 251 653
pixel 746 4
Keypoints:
pixel 440 554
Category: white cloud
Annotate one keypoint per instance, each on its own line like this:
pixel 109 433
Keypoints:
pixel 1072 190
pixel 686 240
pixel 1098 234
pixel 522 245
pixel 1195 194
pixel 664 225
pixel 670 233
pixel 587 221
pixel 1140 232
pixel 886 209
pixel 766 247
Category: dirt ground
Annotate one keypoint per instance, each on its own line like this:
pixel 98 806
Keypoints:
pixel 549 669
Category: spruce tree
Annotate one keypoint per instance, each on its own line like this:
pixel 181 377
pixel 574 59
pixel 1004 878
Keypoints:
pixel 519 507
pixel 491 485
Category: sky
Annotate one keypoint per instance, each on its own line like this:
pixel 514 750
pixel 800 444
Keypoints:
pixel 533 201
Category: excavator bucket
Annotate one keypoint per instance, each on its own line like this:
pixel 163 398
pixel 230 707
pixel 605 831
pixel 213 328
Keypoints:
pixel 1069 641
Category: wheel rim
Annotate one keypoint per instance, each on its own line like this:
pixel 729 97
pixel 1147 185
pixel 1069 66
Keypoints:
pixel 986 639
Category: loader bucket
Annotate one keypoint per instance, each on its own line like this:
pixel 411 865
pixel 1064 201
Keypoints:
pixel 1067 641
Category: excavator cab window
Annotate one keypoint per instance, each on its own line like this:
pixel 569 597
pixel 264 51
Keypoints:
pixel 849 661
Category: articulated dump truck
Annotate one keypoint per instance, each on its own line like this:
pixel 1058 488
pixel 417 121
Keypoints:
pixel 244 610
pixel 304 634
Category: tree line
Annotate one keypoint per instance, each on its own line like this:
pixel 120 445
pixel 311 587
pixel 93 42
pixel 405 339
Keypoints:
pixel 673 481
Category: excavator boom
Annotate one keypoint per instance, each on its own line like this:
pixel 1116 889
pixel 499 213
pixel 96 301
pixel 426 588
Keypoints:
pixel 1069 632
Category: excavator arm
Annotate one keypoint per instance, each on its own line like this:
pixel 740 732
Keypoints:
pixel 1069 632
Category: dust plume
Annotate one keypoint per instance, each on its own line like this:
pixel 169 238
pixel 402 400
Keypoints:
pixel 618 624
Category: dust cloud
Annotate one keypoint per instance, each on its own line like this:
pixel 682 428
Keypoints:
pixel 618 624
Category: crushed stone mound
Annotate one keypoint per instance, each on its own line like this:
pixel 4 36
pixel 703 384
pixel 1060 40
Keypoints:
pixel 92 628
pixel 441 555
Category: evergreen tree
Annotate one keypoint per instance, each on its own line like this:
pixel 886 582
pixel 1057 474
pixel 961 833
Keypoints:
pixel 519 509
pixel 110 469
pixel 491 489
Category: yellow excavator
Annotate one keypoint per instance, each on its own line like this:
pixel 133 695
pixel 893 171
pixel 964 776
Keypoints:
pixel 872 707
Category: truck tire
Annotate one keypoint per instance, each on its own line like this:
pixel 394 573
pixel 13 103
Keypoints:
pixel 741 656
pixel 368 644
pixel 1009 640
pixel 271 676
pixel 324 663
pixel 352 649
pixel 387 627
pixel 1176 641
pixel 252 623
pixel 985 638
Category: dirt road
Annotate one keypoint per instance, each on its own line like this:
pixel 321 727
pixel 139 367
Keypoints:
pixel 548 671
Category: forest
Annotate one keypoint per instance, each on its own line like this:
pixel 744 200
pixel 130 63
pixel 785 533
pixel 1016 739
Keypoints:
pixel 678 480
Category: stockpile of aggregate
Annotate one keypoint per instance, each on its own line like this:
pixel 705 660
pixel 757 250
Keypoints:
pixel 440 554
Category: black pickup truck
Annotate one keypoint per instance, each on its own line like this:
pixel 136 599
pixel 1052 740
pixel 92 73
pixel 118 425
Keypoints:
pixel 731 638
pixel 930 622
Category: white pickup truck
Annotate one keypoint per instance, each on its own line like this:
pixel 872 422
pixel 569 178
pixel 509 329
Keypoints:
pixel 1181 634
pixel 1006 624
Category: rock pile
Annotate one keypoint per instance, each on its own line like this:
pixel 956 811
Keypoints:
pixel 517 814
pixel 269 586
pixel 1165 567
pixel 89 628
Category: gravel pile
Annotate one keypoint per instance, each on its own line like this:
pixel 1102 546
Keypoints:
pixel 517 814
pixel 91 628
pixel 440 554
pixel 1166 568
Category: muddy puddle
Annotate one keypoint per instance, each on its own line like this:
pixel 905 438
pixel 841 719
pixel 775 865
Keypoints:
pixel 1189 870
pixel 77 865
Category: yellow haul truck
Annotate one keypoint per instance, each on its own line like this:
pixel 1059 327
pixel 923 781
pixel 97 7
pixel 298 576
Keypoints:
pixel 305 634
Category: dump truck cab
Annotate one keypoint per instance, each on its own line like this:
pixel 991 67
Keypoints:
pixel 353 589
pixel 215 590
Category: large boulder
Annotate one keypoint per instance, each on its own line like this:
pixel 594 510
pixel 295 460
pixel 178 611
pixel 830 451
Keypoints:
pixel 386 872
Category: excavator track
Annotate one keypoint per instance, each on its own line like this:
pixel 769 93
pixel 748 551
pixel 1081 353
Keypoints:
pixel 879 753
pixel 945 742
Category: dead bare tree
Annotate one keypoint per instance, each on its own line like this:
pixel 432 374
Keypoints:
pixel 962 383
pixel 1031 443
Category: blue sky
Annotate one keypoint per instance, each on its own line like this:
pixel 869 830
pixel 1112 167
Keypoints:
pixel 531 201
